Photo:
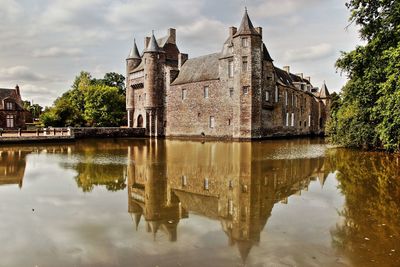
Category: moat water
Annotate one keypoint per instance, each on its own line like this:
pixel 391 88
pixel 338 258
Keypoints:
pixel 187 203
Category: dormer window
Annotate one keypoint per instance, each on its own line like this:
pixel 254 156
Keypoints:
pixel 9 106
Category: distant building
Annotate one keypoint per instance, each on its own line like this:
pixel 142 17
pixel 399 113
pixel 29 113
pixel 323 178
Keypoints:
pixel 235 93
pixel 12 112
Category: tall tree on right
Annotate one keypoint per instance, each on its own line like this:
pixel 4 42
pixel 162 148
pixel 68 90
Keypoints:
pixel 369 112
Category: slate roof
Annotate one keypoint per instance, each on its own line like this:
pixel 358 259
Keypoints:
pixel 288 79
pixel 266 54
pixel 153 45
pixel 324 93
pixel 12 94
pixel 246 26
pixel 198 69
pixel 134 53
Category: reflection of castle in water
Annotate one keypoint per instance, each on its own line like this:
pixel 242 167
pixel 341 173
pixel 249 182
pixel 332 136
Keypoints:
pixel 234 183
pixel 12 166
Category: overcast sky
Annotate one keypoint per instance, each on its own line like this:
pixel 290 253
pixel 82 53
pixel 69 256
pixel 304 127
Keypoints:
pixel 44 44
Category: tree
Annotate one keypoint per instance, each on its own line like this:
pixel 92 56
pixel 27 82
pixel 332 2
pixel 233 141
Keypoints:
pixel 370 99
pixel 90 102
pixel 104 106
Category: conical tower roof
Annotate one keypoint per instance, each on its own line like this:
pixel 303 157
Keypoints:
pixel 246 26
pixel 244 249
pixel 324 93
pixel 134 53
pixel 153 45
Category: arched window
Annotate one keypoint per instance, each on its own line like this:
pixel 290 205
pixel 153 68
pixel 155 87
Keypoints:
pixel 140 121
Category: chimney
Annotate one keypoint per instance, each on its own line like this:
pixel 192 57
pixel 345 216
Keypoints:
pixel 286 68
pixel 259 30
pixel 232 31
pixel 182 59
pixel 146 42
pixel 300 75
pixel 308 78
pixel 17 90
pixel 172 35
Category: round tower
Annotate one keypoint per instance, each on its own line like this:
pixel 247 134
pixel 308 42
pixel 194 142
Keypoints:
pixel 154 59
pixel 132 62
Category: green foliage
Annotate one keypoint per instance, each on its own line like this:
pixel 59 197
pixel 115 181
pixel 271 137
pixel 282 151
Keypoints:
pixel 34 109
pixel 369 231
pixel 90 102
pixel 103 106
pixel 368 114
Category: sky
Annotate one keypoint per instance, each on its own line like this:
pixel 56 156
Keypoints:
pixel 44 44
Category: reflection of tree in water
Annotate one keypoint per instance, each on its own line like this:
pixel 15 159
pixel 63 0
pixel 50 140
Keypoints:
pixel 91 175
pixel 370 232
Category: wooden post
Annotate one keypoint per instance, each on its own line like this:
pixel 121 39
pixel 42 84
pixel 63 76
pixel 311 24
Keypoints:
pixel 54 131
pixel 19 131
pixel 37 132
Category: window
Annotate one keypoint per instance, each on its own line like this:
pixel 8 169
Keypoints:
pixel 292 100
pixel 266 95
pixel 276 94
pixel 231 92
pixel 9 106
pixel 212 122
pixel 229 122
pixel 246 90
pixel 230 184
pixel 287 119
pixel 144 97
pixel 230 68
pixel 292 119
pixel 206 184
pixel 309 120
pixel 184 94
pixel 184 180
pixel 244 64
pixel 230 207
pixel 205 91
pixel 245 42
pixel 140 97
pixel 10 121
pixel 305 123
pixel 286 98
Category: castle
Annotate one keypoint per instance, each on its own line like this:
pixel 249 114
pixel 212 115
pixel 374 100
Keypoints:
pixel 237 93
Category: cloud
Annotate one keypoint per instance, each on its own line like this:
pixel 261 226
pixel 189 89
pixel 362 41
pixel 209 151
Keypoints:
pixel 10 10
pixel 197 34
pixel 315 52
pixel 274 8
pixel 20 73
pixel 57 52
pixel 39 94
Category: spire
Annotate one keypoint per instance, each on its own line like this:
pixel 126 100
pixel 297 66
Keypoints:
pixel 134 54
pixel 324 93
pixel 244 249
pixel 153 46
pixel 246 26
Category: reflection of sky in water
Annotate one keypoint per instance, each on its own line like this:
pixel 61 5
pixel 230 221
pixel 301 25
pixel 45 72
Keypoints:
pixel 52 222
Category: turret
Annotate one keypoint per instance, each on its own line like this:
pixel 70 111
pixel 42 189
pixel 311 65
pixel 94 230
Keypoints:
pixel 153 82
pixel 133 59
pixel 248 59
pixel 132 62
